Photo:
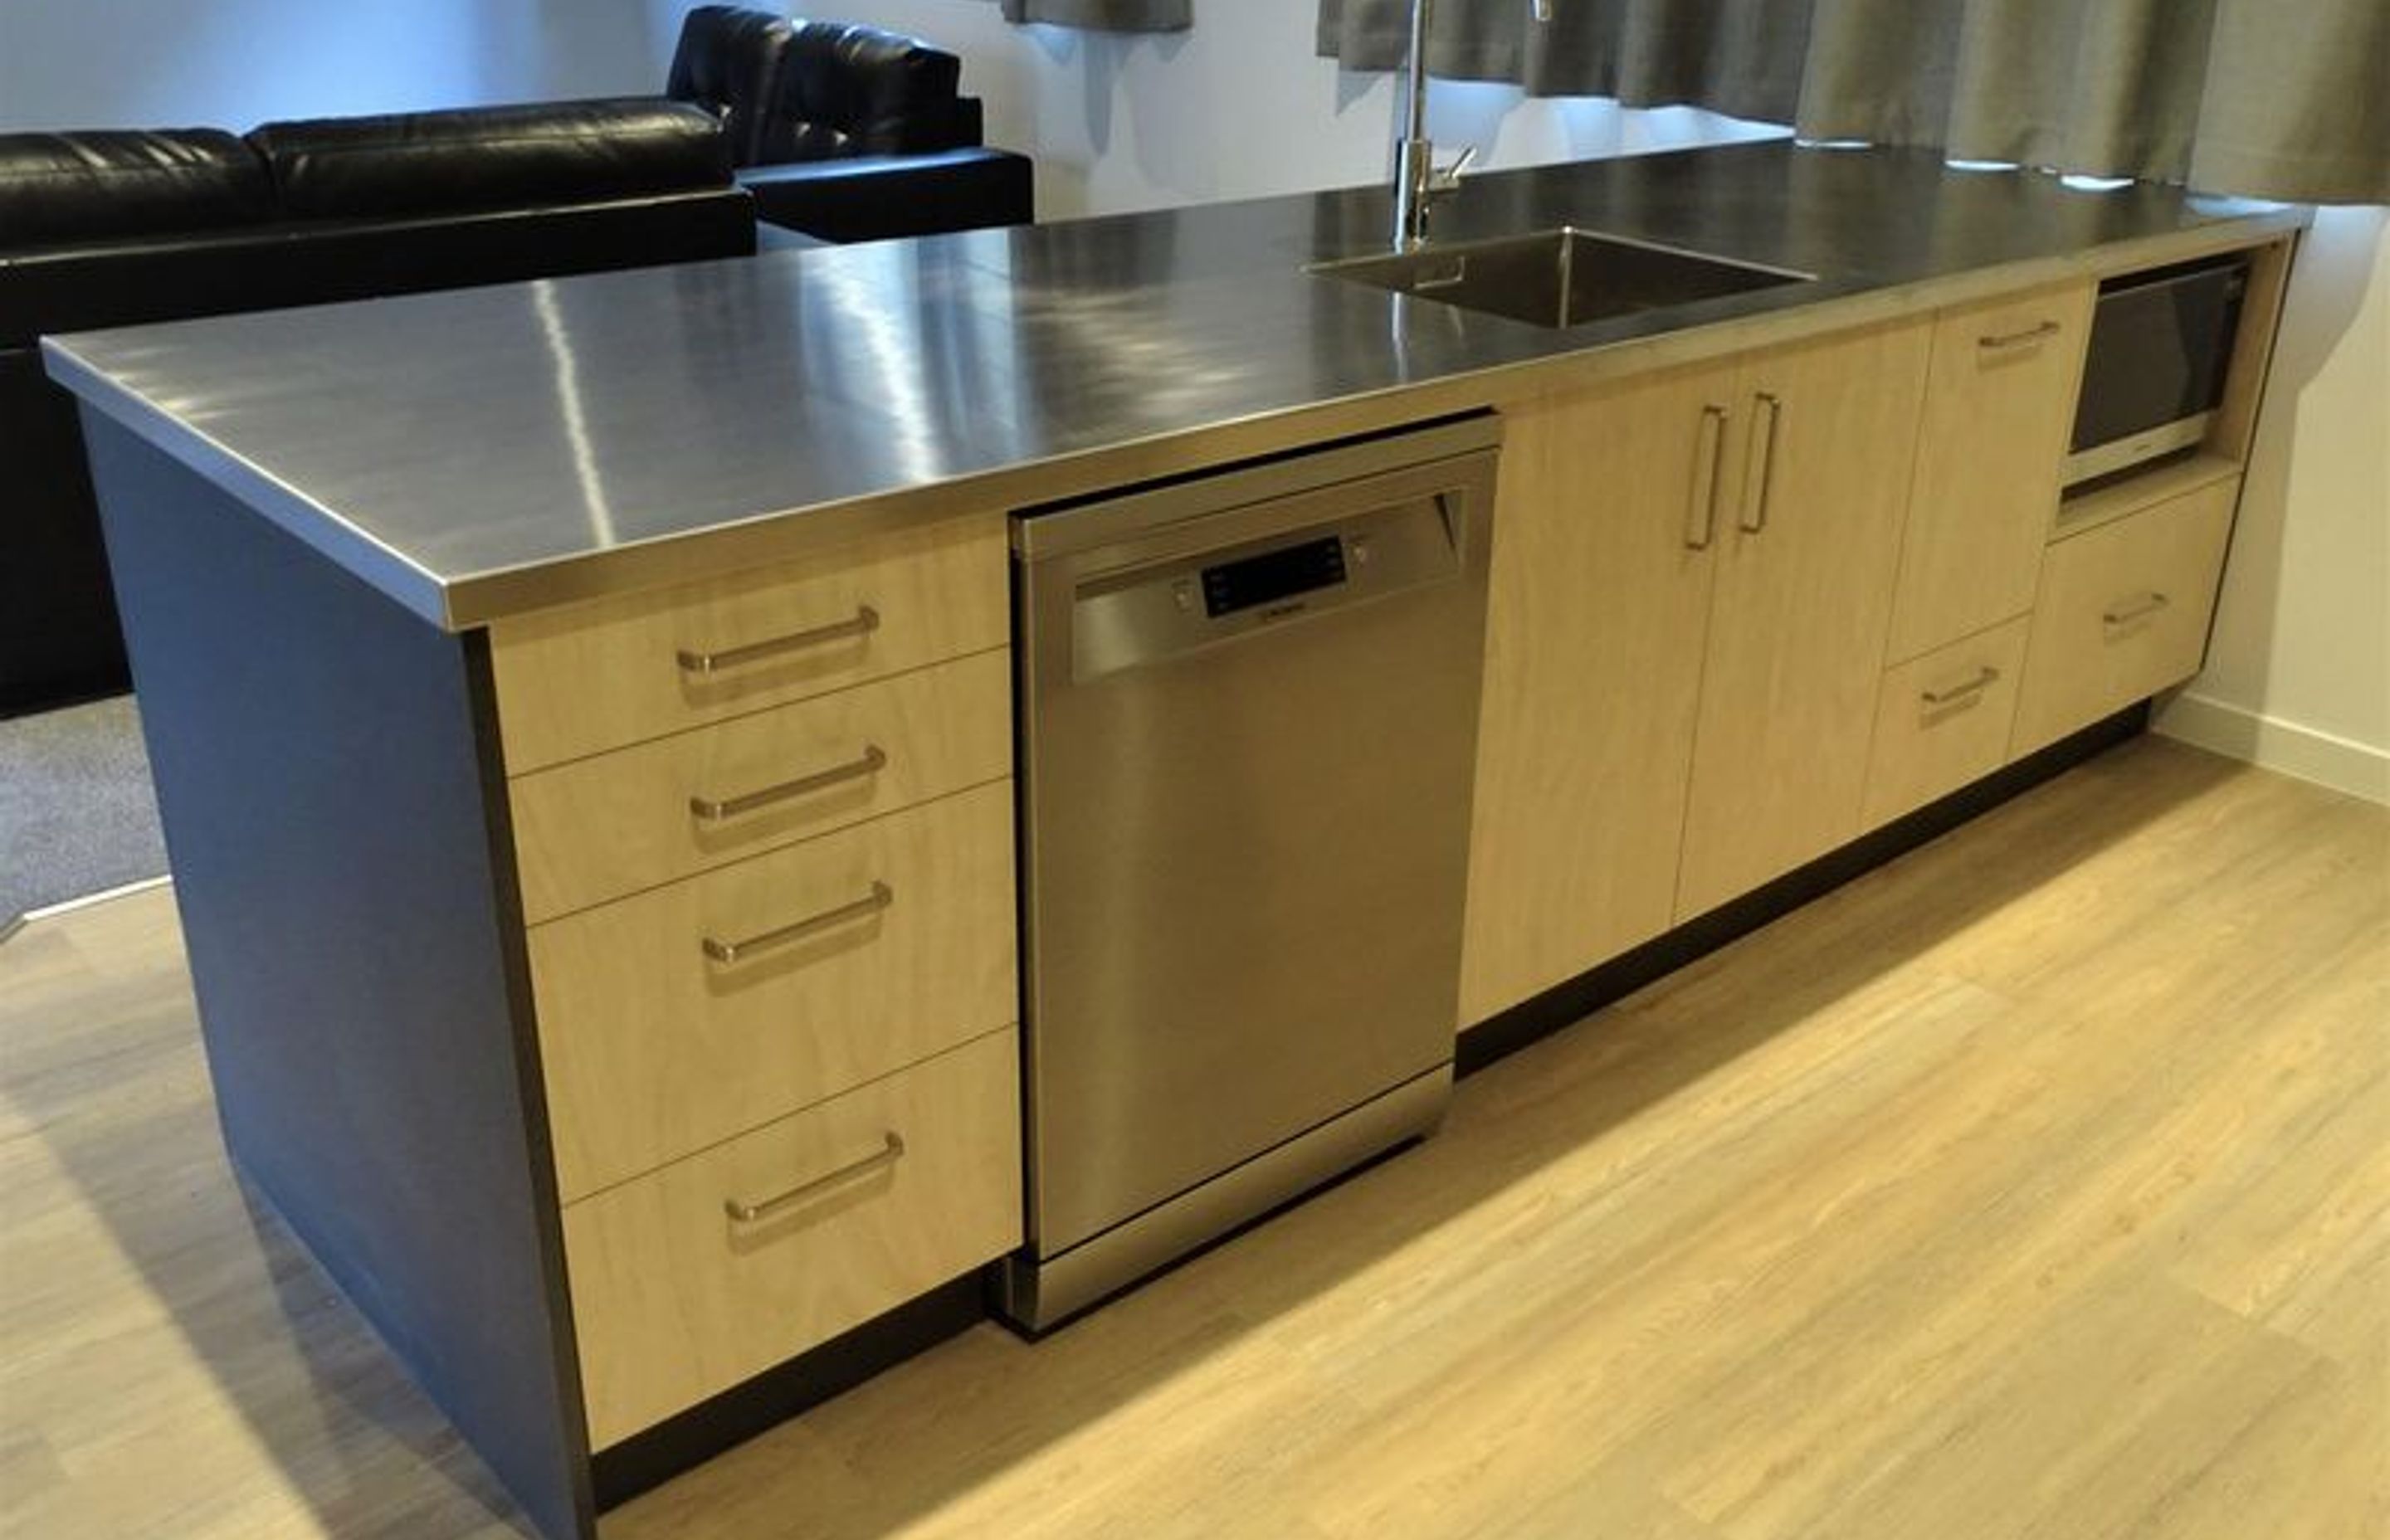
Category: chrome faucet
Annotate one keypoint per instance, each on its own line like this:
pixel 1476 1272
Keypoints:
pixel 1419 181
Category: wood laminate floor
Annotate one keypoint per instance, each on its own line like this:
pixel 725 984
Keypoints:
pixel 2036 1186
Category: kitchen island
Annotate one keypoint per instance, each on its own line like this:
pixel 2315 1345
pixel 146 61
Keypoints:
pixel 451 616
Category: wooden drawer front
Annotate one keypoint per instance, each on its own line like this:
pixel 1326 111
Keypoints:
pixel 654 1048
pixel 598 828
pixel 2122 615
pixel 673 1299
pixel 1943 721
pixel 1999 400
pixel 595 676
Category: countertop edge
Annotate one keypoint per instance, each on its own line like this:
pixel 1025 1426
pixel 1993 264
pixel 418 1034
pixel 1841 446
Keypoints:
pixel 322 530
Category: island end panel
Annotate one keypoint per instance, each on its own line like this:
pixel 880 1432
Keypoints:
pixel 334 811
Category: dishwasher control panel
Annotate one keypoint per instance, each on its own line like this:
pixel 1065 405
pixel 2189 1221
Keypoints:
pixel 1155 610
pixel 1273 576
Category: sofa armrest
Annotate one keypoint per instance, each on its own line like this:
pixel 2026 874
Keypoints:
pixel 878 197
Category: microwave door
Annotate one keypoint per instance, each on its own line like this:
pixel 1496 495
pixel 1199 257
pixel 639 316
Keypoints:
pixel 2154 371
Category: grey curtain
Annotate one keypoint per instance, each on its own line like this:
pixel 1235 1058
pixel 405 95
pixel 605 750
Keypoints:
pixel 2272 98
pixel 1110 16
pixel 1740 57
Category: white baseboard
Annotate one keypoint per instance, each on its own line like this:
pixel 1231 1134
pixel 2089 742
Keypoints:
pixel 2235 732
pixel 11 924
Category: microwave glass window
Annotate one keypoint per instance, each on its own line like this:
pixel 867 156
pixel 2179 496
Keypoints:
pixel 2159 352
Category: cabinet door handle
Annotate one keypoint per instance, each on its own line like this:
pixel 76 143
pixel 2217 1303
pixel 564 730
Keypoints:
pixel 705 664
pixel 891 1149
pixel 1709 472
pixel 1982 681
pixel 2149 605
pixel 1762 452
pixel 2025 339
pixel 714 810
pixel 730 952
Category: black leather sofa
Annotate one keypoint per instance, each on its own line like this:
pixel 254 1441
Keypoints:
pixel 833 132
pixel 126 228
pixel 847 131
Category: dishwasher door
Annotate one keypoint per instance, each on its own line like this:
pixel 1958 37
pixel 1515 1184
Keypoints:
pixel 1249 723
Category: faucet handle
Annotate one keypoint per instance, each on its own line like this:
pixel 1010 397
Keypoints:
pixel 1445 179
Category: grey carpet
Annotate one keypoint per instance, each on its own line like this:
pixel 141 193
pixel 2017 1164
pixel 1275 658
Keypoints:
pixel 77 816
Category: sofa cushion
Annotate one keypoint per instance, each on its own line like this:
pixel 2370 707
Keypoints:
pixel 729 61
pixel 60 187
pixel 856 90
pixel 481 158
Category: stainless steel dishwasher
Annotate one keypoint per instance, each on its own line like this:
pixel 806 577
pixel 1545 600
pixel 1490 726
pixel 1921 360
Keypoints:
pixel 1249 709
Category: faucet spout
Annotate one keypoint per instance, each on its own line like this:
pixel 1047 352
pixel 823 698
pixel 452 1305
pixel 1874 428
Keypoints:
pixel 1418 182
pixel 1414 153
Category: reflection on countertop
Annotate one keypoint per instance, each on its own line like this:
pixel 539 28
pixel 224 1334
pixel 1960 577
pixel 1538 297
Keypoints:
pixel 446 446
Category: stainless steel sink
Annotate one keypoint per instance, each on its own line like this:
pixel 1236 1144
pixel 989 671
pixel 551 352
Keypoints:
pixel 1558 278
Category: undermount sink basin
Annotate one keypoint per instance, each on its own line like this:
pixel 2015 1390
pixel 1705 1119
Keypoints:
pixel 1558 278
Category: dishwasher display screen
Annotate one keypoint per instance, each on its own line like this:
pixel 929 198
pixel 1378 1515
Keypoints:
pixel 1273 575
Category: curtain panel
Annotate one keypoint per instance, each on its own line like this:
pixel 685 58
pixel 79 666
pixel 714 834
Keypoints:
pixel 2258 97
pixel 1110 16
pixel 1737 56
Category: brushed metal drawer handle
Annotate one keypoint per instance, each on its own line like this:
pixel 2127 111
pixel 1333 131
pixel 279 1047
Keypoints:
pixel 706 664
pixel 713 810
pixel 2025 339
pixel 1977 685
pixel 2149 605
pixel 888 1154
pixel 1709 474
pixel 1762 450
pixel 730 952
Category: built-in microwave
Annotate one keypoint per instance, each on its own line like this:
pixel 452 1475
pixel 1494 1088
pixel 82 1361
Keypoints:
pixel 2154 370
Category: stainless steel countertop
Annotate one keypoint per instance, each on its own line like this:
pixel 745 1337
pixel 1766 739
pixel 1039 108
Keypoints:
pixel 477 453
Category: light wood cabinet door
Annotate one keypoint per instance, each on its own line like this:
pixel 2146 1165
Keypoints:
pixel 1599 600
pixel 602 828
pixel 854 1206
pixel 665 1027
pixel 2123 614
pixel 1805 587
pixel 589 677
pixel 1999 402
pixel 1943 720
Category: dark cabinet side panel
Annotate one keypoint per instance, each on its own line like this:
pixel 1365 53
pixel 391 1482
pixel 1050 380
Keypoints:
pixel 334 819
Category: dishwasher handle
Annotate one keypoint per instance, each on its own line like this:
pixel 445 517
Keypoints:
pixel 1154 574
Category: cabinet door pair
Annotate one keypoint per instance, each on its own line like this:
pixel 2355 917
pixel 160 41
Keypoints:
pixel 1693 578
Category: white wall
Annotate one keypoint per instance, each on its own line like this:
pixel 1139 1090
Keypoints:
pixel 236 63
pixel 2298 675
pixel 1238 108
